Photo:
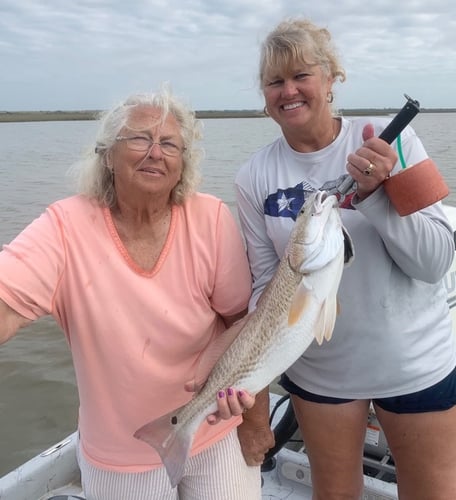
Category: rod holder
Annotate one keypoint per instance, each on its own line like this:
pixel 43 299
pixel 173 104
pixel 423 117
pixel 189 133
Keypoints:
pixel 416 187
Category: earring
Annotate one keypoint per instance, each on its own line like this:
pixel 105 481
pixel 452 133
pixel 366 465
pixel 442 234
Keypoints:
pixel 265 111
pixel 110 169
pixel 329 97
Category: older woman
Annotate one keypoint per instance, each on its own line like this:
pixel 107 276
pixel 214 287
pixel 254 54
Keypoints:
pixel 141 273
pixel 393 342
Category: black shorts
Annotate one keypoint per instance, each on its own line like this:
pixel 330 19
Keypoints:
pixel 438 397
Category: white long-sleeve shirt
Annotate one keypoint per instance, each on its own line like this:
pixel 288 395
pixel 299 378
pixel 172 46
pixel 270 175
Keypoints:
pixel 393 334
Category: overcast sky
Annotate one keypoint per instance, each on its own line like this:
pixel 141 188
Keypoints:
pixel 89 54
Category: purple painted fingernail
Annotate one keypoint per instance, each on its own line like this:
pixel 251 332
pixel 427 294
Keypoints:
pixel 240 393
pixel 221 394
pixel 230 391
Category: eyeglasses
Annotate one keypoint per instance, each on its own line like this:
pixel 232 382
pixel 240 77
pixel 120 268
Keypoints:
pixel 144 144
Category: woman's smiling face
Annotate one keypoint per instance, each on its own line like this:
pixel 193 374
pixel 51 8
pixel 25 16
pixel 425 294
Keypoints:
pixel 151 171
pixel 297 97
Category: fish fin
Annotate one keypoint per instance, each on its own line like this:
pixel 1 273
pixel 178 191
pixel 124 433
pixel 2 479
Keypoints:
pixel 299 303
pixel 336 313
pixel 331 321
pixel 327 319
pixel 171 441
pixel 319 331
pixel 212 353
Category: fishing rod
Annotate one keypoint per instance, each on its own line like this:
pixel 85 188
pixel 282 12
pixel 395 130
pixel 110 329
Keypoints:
pixel 410 109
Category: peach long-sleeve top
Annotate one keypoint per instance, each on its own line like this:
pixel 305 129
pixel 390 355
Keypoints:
pixel 135 336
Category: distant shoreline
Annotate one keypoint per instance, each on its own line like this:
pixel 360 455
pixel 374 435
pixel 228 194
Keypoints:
pixel 44 116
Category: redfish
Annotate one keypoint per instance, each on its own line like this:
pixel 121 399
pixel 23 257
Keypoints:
pixel 298 305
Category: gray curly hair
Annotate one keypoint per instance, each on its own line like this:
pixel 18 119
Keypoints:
pixel 95 179
pixel 298 41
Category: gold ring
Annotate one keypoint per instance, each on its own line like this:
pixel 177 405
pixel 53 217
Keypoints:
pixel 369 169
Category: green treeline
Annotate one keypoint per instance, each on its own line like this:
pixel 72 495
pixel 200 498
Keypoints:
pixel 35 116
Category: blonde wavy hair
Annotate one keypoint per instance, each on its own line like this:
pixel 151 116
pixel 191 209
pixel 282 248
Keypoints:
pixel 298 41
pixel 94 177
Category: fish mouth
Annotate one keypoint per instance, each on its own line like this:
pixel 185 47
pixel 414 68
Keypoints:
pixel 321 238
pixel 323 204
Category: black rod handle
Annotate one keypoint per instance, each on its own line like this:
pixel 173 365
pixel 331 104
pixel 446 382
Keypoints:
pixel 401 120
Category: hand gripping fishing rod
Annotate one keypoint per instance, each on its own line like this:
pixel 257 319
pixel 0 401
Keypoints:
pixel 391 132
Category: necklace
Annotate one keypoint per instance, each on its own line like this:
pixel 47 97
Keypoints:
pixel 334 129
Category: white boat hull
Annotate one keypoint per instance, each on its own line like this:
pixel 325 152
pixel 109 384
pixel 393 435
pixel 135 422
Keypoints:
pixel 55 472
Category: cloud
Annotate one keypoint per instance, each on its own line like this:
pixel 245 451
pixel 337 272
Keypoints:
pixel 89 53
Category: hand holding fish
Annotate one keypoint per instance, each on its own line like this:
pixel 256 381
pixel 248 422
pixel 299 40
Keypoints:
pixel 255 434
pixel 371 164
pixel 231 403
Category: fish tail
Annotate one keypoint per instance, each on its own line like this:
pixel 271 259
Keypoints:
pixel 171 441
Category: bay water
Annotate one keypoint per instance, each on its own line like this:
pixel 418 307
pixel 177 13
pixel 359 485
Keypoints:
pixel 38 395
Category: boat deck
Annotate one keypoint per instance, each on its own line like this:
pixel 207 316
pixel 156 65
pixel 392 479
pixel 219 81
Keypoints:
pixel 55 472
